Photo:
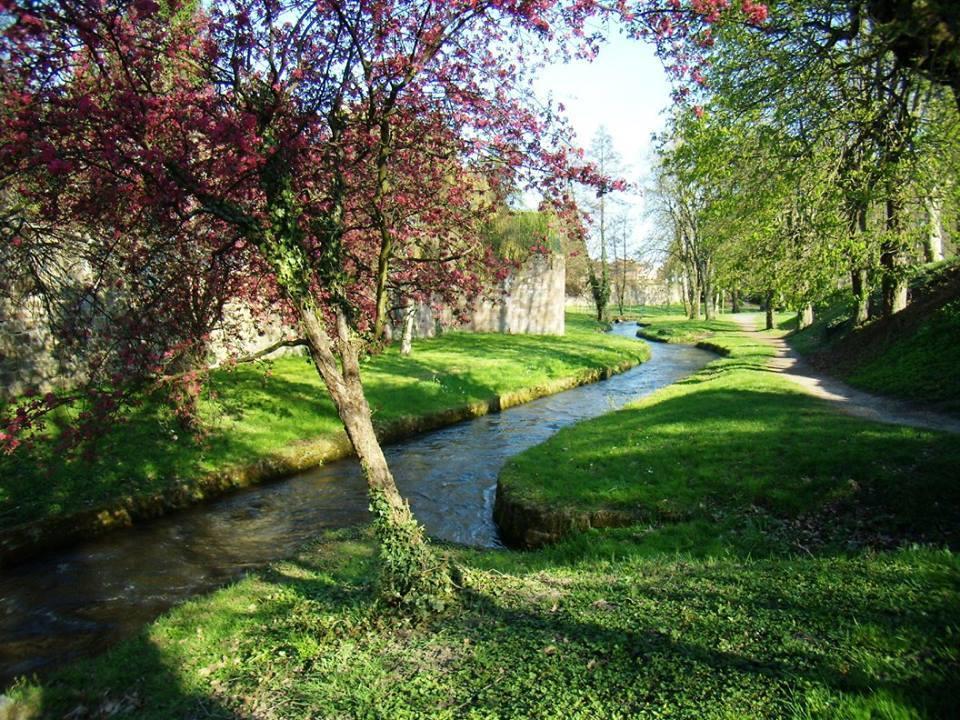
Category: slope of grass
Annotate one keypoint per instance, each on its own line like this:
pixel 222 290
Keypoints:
pixel 253 411
pixel 915 355
pixel 734 445
pixel 924 366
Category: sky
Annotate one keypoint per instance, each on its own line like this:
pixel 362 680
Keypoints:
pixel 624 89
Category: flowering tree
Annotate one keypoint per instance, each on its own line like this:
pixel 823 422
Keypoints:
pixel 308 156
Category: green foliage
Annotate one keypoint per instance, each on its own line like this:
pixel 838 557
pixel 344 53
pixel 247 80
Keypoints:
pixel 512 233
pixel 599 289
pixel 410 575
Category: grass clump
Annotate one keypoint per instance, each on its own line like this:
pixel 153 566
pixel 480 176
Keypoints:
pixel 253 412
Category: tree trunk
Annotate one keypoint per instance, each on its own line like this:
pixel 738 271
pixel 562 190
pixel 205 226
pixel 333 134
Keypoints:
pixel 735 301
pixel 709 307
pixel 768 302
pixel 857 223
pixel 933 243
pixel 805 317
pixel 861 295
pixel 894 284
pixel 406 338
pixel 342 380
pixel 684 295
pixel 693 286
pixel 409 571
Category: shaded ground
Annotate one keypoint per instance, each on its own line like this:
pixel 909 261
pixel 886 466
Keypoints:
pixel 913 355
pixel 847 399
pixel 563 633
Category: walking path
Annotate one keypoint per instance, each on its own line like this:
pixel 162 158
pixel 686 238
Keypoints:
pixel 848 400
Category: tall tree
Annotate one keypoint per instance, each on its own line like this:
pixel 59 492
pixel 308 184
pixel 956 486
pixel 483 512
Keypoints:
pixel 274 139
pixel 609 165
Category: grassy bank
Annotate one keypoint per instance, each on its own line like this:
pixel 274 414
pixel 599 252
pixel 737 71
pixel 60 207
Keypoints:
pixel 914 355
pixel 755 449
pixel 762 583
pixel 257 411
pixel 672 326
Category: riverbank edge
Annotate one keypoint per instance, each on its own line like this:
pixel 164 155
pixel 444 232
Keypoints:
pixel 27 540
pixel 528 526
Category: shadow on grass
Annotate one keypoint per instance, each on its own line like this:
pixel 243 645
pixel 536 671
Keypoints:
pixel 749 639
pixel 731 457
pixel 728 638
pixel 138 681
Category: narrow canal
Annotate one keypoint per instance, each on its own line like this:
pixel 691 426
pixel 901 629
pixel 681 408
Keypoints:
pixel 81 600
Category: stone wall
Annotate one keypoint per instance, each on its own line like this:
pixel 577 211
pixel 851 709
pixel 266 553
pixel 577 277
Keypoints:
pixel 652 293
pixel 532 303
pixel 26 349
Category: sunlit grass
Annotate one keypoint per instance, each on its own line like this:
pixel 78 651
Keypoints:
pixel 736 437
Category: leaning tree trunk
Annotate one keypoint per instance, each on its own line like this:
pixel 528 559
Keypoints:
pixel 409 571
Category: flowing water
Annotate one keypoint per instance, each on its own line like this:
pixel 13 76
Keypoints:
pixel 81 600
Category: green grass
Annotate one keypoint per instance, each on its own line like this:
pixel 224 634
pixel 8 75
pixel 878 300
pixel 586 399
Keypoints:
pixel 925 367
pixel 255 411
pixel 548 635
pixel 735 445
pixel 672 326
pixel 759 587
pixel 831 322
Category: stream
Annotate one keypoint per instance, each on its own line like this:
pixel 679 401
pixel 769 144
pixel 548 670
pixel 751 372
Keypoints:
pixel 79 601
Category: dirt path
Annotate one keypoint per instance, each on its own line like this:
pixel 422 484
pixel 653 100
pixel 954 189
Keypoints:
pixel 847 399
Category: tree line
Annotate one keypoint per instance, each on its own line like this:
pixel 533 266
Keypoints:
pixel 819 158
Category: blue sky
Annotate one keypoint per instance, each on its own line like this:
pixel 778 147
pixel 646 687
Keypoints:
pixel 624 89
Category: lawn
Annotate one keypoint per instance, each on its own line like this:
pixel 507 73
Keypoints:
pixel 734 445
pixel 774 575
pixel 255 412
pixel 670 324
pixel 610 633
